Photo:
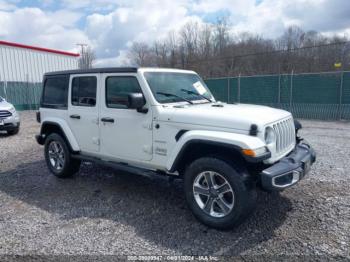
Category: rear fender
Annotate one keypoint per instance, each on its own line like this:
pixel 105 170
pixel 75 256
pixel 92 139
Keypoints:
pixel 62 124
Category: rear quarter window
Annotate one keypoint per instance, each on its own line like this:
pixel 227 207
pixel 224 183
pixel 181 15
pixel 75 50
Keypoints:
pixel 55 92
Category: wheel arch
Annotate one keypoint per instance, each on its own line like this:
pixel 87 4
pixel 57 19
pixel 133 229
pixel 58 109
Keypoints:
pixel 196 143
pixel 197 148
pixel 50 126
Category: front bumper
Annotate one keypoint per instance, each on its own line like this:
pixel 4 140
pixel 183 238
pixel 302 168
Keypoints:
pixel 9 126
pixel 290 169
pixel 10 123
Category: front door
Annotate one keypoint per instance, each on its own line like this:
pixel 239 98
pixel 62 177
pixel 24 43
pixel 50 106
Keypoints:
pixel 126 134
pixel 83 111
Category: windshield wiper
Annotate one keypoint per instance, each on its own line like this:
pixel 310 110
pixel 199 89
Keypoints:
pixel 173 95
pixel 197 94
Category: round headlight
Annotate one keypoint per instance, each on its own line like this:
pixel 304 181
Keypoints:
pixel 270 136
pixel 12 109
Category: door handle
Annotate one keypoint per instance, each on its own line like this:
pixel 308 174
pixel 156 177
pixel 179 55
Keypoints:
pixel 75 116
pixel 107 120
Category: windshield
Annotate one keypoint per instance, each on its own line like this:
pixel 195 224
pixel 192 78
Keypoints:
pixel 168 87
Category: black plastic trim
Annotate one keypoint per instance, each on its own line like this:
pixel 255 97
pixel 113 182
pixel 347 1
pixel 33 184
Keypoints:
pixel 38 116
pixel 295 161
pixel 180 134
pixel 125 167
pixel 9 127
pixel 41 137
pixel 206 142
pixel 253 130
pixel 95 71
pixel 297 125
pixel 258 159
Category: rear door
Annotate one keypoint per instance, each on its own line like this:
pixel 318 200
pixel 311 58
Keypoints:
pixel 83 115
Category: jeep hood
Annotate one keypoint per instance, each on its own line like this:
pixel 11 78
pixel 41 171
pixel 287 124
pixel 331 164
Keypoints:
pixel 233 116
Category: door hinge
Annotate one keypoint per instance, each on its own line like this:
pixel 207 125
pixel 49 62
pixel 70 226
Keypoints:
pixel 147 125
pixel 148 149
pixel 96 141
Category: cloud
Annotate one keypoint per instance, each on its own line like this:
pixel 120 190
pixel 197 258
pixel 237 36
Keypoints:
pixel 36 27
pixel 110 26
pixel 7 6
pixel 91 5
pixel 144 21
pixel 270 17
pixel 151 20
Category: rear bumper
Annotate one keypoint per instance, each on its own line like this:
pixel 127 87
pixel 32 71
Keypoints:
pixel 289 170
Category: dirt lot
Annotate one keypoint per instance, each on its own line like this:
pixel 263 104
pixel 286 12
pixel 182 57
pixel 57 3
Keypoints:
pixel 104 212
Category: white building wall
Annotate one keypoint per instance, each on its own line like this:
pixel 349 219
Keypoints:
pixel 26 65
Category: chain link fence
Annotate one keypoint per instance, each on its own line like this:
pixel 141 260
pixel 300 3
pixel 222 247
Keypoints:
pixel 312 96
pixel 23 95
pixel 323 96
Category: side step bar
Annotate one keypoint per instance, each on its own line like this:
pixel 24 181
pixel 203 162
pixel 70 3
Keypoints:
pixel 125 167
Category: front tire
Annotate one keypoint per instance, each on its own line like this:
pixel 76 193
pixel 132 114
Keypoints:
pixel 13 132
pixel 219 194
pixel 58 157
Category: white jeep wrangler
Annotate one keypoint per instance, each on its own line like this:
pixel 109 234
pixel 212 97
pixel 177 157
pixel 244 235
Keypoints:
pixel 166 122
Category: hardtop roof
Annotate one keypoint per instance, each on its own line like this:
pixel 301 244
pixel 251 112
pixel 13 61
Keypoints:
pixel 94 71
pixel 116 70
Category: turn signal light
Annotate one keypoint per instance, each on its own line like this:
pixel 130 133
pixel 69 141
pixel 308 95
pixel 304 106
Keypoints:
pixel 249 152
pixel 254 152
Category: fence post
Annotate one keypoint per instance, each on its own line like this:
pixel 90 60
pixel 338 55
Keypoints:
pixel 228 90
pixel 28 93
pixel 5 89
pixel 291 91
pixel 34 98
pixel 340 95
pixel 239 88
pixel 279 91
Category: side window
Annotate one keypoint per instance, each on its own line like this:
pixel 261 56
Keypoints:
pixel 84 91
pixel 55 93
pixel 118 88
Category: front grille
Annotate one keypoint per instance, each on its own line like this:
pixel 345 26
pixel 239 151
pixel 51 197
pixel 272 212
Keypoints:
pixel 285 135
pixel 5 114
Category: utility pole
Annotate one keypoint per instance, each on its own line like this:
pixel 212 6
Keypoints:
pixel 82 60
pixel 82 47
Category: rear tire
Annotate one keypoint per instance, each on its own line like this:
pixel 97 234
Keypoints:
pixel 226 200
pixel 58 157
pixel 13 132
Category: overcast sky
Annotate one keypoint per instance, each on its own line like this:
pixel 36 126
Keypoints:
pixel 111 25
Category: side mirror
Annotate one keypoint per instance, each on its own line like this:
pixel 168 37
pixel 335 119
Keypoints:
pixel 136 101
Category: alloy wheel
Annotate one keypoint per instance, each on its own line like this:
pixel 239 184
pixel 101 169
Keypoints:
pixel 56 155
pixel 213 194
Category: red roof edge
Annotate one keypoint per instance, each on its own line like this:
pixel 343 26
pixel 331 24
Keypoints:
pixel 38 48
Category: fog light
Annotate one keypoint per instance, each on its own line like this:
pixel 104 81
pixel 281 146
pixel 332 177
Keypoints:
pixel 286 180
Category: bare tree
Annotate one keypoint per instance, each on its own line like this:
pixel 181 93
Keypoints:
pixel 87 57
pixel 213 51
pixel 140 54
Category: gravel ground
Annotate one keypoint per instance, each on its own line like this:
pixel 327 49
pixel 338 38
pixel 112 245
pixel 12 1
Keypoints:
pixel 105 212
